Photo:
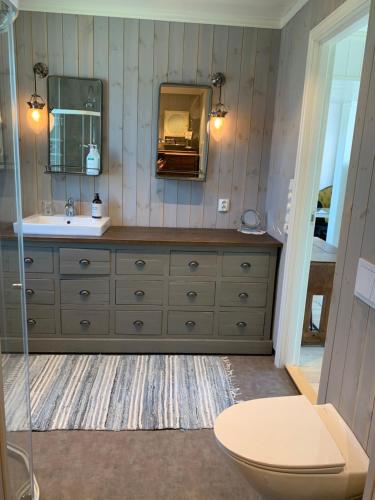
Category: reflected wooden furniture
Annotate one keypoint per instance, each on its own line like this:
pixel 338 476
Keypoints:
pixel 322 270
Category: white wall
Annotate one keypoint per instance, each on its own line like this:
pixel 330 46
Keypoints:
pixel 341 119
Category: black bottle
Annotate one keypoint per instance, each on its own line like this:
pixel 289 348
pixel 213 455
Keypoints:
pixel 96 207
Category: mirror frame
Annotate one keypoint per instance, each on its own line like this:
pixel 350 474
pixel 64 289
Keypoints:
pixel 206 148
pixel 82 172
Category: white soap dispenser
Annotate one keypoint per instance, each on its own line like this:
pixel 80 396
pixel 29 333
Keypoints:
pixel 93 160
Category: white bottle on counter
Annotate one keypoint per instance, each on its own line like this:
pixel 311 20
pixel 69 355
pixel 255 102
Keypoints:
pixel 93 160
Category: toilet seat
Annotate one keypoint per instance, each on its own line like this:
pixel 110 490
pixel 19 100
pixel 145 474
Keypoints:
pixel 284 434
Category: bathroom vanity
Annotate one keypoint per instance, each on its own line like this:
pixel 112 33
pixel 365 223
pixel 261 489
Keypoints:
pixel 145 290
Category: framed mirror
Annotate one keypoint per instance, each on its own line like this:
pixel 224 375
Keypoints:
pixel 183 131
pixel 74 125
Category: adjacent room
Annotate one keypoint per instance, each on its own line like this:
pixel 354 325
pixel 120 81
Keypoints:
pixel 187 254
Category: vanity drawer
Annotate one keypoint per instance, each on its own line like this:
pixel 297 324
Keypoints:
pixel 37 291
pixel 243 294
pixel 190 323
pixel 138 322
pixel 139 292
pixel 90 291
pixel 40 320
pixel 242 322
pixel 193 263
pixel 140 263
pixel 36 260
pixel 84 261
pixel 85 322
pixel 195 293
pixel 253 265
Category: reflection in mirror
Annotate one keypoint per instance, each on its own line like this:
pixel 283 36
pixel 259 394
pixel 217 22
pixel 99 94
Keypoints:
pixel 183 133
pixel 75 123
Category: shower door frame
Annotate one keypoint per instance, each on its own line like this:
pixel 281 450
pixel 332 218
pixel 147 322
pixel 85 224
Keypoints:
pixel 5 447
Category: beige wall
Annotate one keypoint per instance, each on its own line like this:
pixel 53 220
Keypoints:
pixel 133 57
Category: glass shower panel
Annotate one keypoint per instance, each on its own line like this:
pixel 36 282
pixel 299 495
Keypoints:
pixel 15 422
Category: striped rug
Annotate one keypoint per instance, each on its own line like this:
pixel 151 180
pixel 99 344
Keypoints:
pixel 118 392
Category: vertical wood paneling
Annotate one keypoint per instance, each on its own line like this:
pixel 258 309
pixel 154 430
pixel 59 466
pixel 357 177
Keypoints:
pixel 100 64
pixel 70 48
pixel 161 39
pixel 145 75
pixel 269 120
pixel 25 88
pixel 39 43
pixel 244 118
pixel 56 67
pixel 132 58
pixel 115 106
pixel 204 70
pixel 219 62
pixel 258 114
pixel 230 96
pixel 86 70
pixel 131 43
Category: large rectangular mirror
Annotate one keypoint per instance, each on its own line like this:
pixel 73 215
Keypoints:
pixel 183 131
pixel 75 125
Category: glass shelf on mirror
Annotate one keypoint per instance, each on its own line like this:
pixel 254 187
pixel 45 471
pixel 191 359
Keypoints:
pixel 65 169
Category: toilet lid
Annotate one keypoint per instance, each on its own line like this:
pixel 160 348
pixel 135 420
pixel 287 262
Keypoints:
pixel 283 434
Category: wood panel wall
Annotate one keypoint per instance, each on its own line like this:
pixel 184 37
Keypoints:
pixel 133 57
pixel 7 187
pixel 348 377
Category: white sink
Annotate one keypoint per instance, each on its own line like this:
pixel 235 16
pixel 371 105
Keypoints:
pixel 61 225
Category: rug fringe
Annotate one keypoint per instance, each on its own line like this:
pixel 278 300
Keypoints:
pixel 234 390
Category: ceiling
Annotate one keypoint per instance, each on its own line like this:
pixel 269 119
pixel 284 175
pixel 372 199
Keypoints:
pixel 256 13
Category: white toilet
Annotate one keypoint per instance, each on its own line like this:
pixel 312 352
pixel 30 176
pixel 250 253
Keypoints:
pixel 290 449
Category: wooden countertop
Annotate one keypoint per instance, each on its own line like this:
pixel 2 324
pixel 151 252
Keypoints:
pixel 159 236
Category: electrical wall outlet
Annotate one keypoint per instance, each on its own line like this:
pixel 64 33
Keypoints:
pixel 223 205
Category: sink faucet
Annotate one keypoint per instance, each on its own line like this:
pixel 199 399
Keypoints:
pixel 69 207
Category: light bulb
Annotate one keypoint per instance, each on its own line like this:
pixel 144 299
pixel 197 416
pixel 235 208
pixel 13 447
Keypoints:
pixel 35 119
pixel 35 115
pixel 218 122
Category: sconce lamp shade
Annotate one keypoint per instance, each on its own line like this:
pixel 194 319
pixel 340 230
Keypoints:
pixel 219 111
pixel 35 113
pixel 35 119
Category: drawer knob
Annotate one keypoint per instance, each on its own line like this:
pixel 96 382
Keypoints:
pixel 139 293
pixel 243 295
pixel 191 294
pixel 140 263
pixel 31 322
pixel 84 262
pixel 138 323
pixel 84 293
pixel 29 292
pixel 85 322
pixel 193 264
pixel 28 260
pixel 241 324
pixel 245 265
pixel 190 324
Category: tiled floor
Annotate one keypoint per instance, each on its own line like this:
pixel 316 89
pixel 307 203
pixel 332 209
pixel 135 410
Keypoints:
pixel 152 465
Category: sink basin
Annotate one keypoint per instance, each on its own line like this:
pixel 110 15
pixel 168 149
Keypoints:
pixel 61 225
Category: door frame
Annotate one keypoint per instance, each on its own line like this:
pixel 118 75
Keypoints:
pixel 306 180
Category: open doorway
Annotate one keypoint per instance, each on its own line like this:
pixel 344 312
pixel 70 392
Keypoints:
pixel 333 75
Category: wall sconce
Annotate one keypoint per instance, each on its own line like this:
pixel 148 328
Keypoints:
pixel 219 111
pixel 36 104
